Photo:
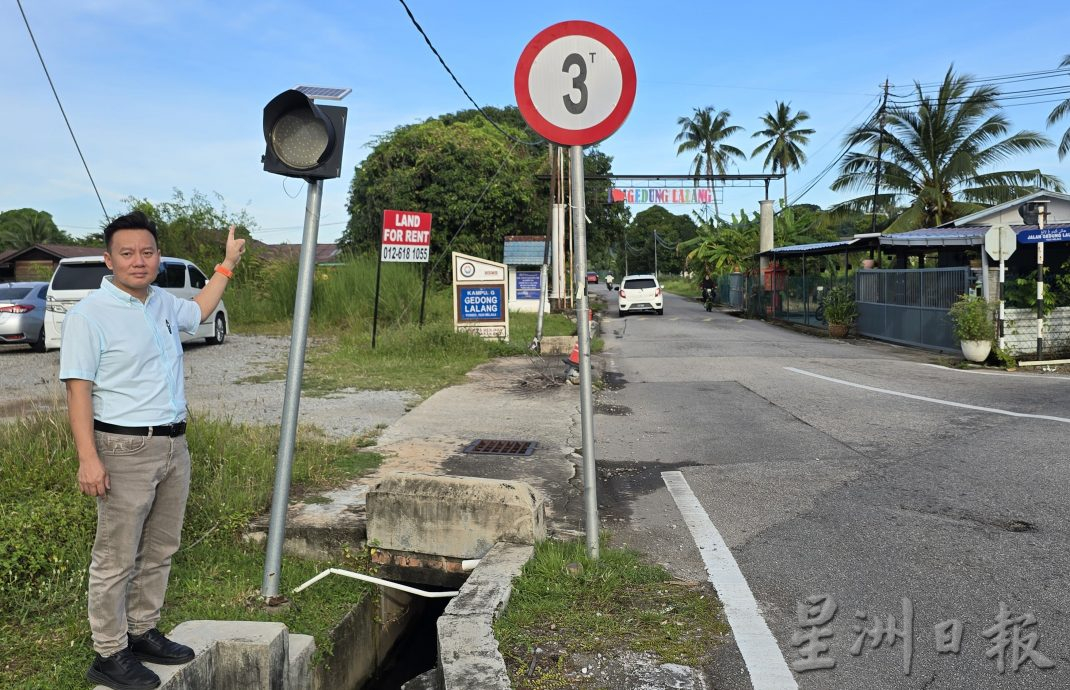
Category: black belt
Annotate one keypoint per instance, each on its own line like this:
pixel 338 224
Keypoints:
pixel 172 430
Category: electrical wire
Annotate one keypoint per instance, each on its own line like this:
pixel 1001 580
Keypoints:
pixel 461 86
pixel 471 209
pixel 825 171
pixel 62 111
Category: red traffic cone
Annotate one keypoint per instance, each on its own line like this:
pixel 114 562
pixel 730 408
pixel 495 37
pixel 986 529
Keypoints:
pixel 574 356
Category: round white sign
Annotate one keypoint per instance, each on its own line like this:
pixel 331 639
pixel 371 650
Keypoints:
pixel 575 83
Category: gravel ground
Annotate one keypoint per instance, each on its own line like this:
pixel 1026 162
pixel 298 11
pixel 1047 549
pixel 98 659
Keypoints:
pixel 212 387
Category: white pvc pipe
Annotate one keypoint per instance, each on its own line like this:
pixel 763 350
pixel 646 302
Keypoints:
pixel 376 581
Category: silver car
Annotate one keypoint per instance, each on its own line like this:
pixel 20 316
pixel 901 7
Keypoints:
pixel 22 314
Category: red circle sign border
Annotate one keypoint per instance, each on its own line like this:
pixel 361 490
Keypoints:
pixel 574 137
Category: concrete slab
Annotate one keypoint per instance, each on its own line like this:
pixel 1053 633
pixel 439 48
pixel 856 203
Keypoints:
pixel 458 517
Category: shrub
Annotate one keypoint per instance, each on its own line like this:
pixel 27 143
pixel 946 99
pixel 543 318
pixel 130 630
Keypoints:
pixel 970 315
pixel 840 307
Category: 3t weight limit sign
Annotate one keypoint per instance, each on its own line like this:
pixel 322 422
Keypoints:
pixel 575 83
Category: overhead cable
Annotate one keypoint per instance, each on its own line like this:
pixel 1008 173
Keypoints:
pixel 461 86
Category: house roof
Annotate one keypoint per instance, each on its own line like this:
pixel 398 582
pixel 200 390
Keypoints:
pixel 970 236
pixel 59 251
pixel 973 218
pixel 524 250
pixel 863 241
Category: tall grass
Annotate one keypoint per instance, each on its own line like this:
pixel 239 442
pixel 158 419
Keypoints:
pixel 343 296
pixel 47 527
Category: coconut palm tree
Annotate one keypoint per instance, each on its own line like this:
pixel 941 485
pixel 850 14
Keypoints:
pixel 784 141
pixel 704 134
pixel 935 149
pixel 1061 111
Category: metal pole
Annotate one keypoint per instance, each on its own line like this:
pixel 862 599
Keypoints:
pixel 375 311
pixel 291 399
pixel 579 274
pixel 423 294
pixel 1002 314
pixel 1040 284
pixel 1040 297
pixel 655 253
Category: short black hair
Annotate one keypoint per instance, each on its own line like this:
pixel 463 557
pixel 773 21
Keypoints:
pixel 135 220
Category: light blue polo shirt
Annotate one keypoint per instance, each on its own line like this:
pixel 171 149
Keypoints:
pixel 132 353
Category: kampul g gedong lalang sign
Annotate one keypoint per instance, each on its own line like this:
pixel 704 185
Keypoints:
pixel 662 195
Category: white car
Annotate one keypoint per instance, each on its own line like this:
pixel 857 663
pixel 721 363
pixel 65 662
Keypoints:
pixel 639 293
pixel 76 277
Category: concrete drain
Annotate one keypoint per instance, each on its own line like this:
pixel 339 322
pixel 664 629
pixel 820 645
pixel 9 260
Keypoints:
pixel 483 446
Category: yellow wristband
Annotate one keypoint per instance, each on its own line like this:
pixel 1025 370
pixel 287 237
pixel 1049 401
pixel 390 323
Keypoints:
pixel 220 268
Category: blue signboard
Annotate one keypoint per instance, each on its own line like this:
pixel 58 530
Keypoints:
pixel 480 303
pixel 1036 235
pixel 528 284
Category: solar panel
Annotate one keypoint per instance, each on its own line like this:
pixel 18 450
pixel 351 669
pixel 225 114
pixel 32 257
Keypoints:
pixel 329 93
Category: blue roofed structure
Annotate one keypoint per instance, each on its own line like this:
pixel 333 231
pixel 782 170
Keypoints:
pixel 524 250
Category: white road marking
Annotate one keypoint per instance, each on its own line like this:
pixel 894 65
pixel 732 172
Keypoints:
pixel 1048 377
pixel 993 410
pixel 765 663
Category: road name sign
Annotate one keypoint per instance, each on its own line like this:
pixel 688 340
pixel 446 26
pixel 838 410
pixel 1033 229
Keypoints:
pixel 1000 242
pixel 406 236
pixel 1036 235
pixel 575 83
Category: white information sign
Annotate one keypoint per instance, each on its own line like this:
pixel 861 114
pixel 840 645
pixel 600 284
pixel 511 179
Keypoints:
pixel 480 298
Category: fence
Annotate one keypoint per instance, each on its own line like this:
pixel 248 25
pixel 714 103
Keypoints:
pixel 1020 332
pixel 910 306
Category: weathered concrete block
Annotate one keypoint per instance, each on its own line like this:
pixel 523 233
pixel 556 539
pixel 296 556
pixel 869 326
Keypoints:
pixel 468 653
pixel 459 517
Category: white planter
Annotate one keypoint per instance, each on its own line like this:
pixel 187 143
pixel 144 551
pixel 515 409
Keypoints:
pixel 976 350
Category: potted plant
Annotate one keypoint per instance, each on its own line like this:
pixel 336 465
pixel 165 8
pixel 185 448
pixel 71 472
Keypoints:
pixel 973 327
pixel 840 310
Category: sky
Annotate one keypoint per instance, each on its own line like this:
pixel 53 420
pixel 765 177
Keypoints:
pixel 170 96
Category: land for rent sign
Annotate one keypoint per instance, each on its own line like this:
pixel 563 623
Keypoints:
pixel 480 297
pixel 406 236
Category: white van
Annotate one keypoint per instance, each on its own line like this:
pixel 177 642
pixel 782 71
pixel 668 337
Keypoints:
pixel 76 277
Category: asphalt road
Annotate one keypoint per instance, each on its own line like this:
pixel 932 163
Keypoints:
pixel 825 489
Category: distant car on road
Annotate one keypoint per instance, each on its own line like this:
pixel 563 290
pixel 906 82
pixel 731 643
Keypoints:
pixel 639 293
pixel 76 277
pixel 592 276
pixel 22 314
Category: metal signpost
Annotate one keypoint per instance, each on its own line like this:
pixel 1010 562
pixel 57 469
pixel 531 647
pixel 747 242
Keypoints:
pixel 575 85
pixel 1000 243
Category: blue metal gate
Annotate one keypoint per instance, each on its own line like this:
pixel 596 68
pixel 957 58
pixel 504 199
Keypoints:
pixel 910 306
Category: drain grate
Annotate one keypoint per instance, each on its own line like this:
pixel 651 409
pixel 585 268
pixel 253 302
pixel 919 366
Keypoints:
pixel 488 446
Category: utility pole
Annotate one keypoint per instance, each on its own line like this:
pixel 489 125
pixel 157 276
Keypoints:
pixel 880 153
pixel 655 253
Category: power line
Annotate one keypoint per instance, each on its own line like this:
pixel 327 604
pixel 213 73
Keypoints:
pixel 843 152
pixel 461 86
pixel 62 111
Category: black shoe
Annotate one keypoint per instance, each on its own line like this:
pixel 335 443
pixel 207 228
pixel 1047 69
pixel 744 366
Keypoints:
pixel 153 646
pixel 121 671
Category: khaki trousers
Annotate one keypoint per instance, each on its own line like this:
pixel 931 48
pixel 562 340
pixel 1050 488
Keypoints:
pixel 139 528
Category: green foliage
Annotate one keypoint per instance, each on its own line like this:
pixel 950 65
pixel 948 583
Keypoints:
pixel 704 134
pixel 784 141
pixel 671 229
pixel 1021 292
pixel 1005 358
pixel 47 528
pixel 1059 112
pixel 971 316
pixel 730 246
pixel 24 227
pixel 195 228
pixel 934 150
pixel 565 601
pixel 840 307
pixel 443 166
